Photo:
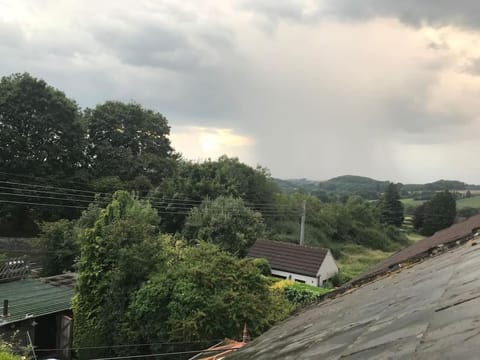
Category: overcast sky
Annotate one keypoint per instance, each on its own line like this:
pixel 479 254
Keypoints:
pixel 382 88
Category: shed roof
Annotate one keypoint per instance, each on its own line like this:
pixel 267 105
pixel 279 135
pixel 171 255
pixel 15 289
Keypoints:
pixel 34 297
pixel 303 260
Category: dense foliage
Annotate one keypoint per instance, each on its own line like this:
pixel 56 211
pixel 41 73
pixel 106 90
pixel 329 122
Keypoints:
pixel 49 146
pixel 436 214
pixel 299 294
pixel 209 180
pixel 391 208
pixel 128 142
pixel 226 222
pixel 136 285
pixel 58 243
pixel 118 253
pixel 334 225
pixel 191 300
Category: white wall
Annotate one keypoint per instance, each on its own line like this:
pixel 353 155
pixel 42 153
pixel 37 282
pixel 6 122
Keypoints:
pixel 291 276
pixel 328 268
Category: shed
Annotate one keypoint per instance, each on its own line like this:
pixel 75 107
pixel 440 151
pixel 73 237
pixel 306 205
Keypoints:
pixel 40 309
pixel 305 264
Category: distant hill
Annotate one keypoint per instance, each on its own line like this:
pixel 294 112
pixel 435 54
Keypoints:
pixel 367 187
pixel 351 184
pixel 292 185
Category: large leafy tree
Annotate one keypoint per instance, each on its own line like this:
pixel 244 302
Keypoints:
pixel 208 180
pixel 391 207
pixel 118 253
pixel 203 294
pixel 128 141
pixel 41 135
pixel 41 132
pixel 226 222
pixel 439 213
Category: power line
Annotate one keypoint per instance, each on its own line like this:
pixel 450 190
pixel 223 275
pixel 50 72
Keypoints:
pixel 135 345
pixel 157 354
pixel 156 207
pixel 152 196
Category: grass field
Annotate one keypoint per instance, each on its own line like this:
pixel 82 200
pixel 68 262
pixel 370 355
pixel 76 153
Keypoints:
pixel 358 259
pixel 473 202
pixel 411 202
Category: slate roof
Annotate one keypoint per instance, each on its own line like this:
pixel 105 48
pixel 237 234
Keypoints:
pixel 428 311
pixel 36 297
pixel 456 232
pixel 303 260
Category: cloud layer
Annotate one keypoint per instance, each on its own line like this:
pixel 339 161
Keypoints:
pixel 315 89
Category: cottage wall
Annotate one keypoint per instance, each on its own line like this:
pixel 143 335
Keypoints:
pixel 328 268
pixel 292 276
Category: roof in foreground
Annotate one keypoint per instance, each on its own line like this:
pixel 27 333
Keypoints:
pixel 456 232
pixel 35 297
pixel 427 311
pixel 289 257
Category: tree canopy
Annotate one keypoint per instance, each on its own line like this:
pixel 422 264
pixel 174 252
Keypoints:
pixel 118 253
pixel 128 141
pixel 41 131
pixel 226 222
pixel 436 214
pixel 391 207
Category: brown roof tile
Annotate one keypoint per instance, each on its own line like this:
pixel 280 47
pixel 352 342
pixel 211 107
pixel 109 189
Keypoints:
pixel 304 260
pixel 455 232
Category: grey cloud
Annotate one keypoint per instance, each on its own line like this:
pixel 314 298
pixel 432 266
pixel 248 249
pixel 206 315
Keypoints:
pixel 472 67
pixel 148 45
pixel 464 13
pixel 292 10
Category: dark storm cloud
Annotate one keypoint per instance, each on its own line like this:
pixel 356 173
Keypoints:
pixel 462 13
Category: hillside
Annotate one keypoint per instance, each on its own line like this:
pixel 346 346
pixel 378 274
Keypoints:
pixel 370 188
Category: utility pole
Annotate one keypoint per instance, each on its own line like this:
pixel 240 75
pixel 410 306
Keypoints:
pixel 302 225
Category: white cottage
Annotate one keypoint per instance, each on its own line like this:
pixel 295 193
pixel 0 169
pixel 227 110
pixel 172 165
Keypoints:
pixel 305 264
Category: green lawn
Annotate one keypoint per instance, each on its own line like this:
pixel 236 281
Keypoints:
pixel 473 202
pixel 411 202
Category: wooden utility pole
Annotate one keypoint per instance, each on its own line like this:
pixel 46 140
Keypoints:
pixel 302 225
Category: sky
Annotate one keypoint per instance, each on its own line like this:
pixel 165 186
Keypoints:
pixel 308 89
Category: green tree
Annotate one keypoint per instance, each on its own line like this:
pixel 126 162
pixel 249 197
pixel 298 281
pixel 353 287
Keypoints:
pixel 418 217
pixel 58 241
pixel 127 140
pixel 439 213
pixel 227 222
pixel 41 135
pixel 41 131
pixel 118 253
pixel 204 294
pixel 209 180
pixel 391 207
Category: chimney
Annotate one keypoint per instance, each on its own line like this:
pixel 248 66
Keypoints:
pixel 245 337
pixel 5 308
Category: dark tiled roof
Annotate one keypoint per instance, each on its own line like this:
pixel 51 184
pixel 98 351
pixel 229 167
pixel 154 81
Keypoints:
pixel 455 232
pixel 304 260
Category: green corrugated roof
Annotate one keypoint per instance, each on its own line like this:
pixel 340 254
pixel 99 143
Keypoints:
pixel 33 296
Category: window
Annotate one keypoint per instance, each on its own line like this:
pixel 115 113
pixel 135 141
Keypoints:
pixel 300 281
